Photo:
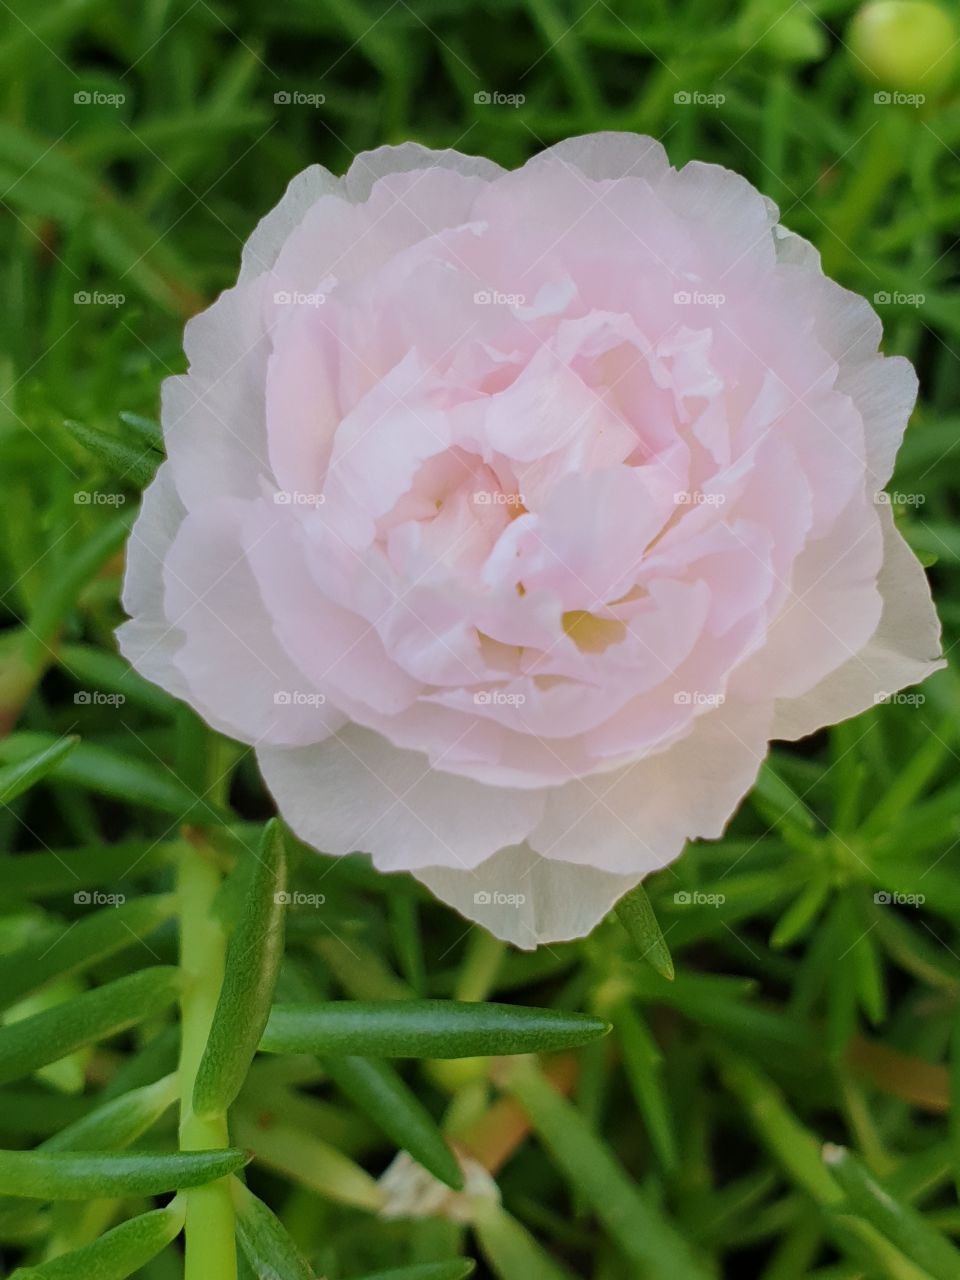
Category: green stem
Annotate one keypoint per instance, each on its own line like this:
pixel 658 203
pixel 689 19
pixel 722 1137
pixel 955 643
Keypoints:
pixel 480 966
pixel 210 1232
pixel 878 168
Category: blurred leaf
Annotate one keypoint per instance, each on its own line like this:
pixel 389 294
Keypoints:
pixel 457 1269
pixel 647 1237
pixel 511 1251
pixel 17 778
pixel 782 803
pixel 307 1160
pixel 81 944
pixel 57 871
pixel 899 1223
pixel 94 668
pixel 122 777
pixel 642 1063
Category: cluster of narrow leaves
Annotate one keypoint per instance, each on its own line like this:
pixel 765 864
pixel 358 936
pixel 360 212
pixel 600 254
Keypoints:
pixel 349 1040
pixel 214 1040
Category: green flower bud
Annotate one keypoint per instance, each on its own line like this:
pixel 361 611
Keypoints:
pixel 904 44
pixel 796 37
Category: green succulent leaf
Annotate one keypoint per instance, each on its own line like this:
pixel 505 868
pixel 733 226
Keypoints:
pixel 252 964
pixel 52 1034
pixel 134 461
pixel 61 1175
pixel 117 1254
pixel 379 1092
pixel 637 916
pixel 424 1029
pixel 264 1239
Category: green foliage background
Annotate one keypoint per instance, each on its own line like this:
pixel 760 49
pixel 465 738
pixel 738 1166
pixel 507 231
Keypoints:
pixel 816 946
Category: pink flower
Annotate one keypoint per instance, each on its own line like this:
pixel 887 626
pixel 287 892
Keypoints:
pixel 510 515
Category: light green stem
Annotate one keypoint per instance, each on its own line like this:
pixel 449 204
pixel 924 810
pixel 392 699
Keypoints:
pixel 210 1235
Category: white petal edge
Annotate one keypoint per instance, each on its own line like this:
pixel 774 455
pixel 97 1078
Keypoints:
pixel 903 650
pixel 369 167
pixel 560 900
pixel 148 641
pixel 271 232
pixel 610 154
pixel 356 792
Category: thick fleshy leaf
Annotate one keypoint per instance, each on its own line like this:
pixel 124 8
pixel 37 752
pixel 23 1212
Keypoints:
pixel 48 1175
pixel 252 964
pixel 382 1095
pixel 424 1029
pixel 94 1015
pixel 132 461
pixel 118 1122
pixel 637 916
pixel 117 1254
pixel 265 1240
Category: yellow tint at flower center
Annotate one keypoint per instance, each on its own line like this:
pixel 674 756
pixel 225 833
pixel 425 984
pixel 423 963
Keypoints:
pixel 592 634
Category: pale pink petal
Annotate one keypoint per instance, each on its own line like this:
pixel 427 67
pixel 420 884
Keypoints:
pixel 392 804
